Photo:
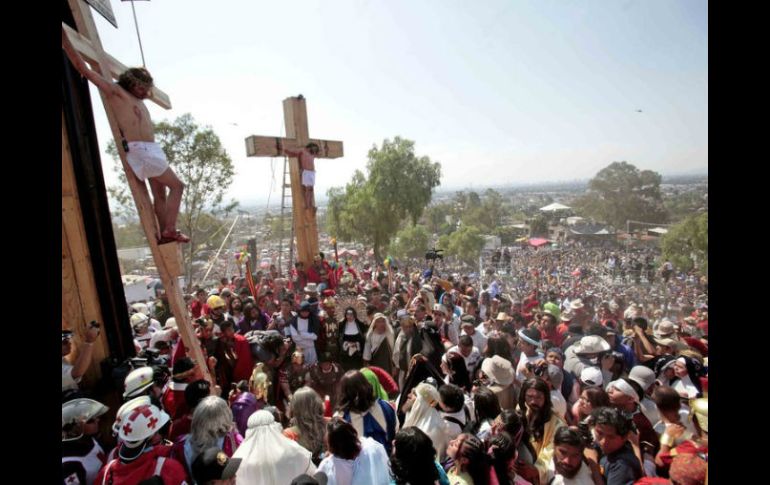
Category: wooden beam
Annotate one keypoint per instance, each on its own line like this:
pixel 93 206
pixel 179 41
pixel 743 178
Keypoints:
pixel 172 258
pixel 80 300
pixel 114 67
pixel 266 146
pixel 295 119
pixel 86 25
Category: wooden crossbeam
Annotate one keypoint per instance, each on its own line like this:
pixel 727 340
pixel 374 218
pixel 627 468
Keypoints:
pixel 114 68
pixel 166 260
pixel 267 146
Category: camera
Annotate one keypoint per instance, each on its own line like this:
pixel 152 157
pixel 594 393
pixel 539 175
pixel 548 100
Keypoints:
pixel 584 427
pixel 540 369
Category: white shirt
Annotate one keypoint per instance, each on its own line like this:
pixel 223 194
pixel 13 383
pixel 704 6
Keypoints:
pixel 371 466
pixel 559 403
pixel 470 361
pixel 304 340
pixel 454 429
pixel 67 381
pixel 523 365
pixel 343 470
pixel 479 340
pixel 583 476
pixel 684 418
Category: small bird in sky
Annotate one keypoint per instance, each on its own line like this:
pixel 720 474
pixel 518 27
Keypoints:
pixel 638 111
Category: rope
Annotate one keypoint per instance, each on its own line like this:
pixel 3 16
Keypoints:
pixel 220 249
pixel 137 34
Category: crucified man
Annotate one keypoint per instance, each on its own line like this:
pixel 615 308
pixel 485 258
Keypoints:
pixel 307 164
pixel 144 155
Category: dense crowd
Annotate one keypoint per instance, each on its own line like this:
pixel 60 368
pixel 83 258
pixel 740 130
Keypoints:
pixel 552 366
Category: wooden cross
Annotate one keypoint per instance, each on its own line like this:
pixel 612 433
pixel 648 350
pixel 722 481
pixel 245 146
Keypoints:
pixel 168 257
pixel 295 117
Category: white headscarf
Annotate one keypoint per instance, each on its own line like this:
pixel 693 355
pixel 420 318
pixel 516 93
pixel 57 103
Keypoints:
pixel 427 418
pixel 270 458
pixel 371 334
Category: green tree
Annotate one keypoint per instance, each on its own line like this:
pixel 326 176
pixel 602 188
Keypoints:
pixel 435 216
pixel 507 234
pixel 197 156
pixel 465 244
pixel 539 226
pixel 621 192
pixel 273 224
pixel 680 206
pixel 687 243
pixel 410 242
pixel 129 235
pixel 397 188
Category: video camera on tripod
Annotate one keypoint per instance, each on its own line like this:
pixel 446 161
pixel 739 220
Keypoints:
pixel 434 254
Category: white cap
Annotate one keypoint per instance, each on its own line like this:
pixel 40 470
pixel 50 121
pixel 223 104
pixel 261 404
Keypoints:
pixel 591 376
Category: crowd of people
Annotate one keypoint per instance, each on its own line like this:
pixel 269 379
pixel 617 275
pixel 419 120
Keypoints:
pixel 557 370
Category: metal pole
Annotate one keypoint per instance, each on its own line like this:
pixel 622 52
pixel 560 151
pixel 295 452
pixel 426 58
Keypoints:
pixel 136 24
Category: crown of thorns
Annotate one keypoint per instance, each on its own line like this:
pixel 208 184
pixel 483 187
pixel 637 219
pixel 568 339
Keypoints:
pixel 137 75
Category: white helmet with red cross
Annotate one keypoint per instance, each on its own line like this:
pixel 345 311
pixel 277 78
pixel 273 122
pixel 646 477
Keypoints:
pixel 128 406
pixel 141 422
pixel 137 381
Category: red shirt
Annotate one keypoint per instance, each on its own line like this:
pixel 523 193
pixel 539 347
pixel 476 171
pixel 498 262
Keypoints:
pixel 197 308
pixel 173 400
pixel 180 427
pixel 172 472
pixel 554 336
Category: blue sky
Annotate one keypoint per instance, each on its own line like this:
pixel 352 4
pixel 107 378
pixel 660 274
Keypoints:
pixel 500 92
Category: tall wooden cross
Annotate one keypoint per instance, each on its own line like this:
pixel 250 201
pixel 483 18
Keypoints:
pixel 295 117
pixel 168 257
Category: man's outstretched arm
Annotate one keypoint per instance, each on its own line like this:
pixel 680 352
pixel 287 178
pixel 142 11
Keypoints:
pixel 292 153
pixel 82 68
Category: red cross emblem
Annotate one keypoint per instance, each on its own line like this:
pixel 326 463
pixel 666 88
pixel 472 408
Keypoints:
pixel 127 428
pixel 143 410
pixel 152 423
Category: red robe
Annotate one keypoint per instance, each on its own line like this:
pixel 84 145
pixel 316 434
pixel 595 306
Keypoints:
pixel 173 400
pixel 245 363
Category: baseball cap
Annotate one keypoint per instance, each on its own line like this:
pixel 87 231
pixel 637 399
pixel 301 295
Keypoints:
pixel 591 376
pixel 214 464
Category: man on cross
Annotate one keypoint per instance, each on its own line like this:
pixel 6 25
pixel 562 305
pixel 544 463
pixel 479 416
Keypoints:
pixel 143 154
pixel 306 158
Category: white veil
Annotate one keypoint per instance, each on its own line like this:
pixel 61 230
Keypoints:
pixel 426 417
pixel 270 458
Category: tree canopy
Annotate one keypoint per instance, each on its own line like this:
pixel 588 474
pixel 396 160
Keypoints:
pixel 687 244
pixel 465 244
pixel 396 189
pixel 410 242
pixel 197 157
pixel 621 192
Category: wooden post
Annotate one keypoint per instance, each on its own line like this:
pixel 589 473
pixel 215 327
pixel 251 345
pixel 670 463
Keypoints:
pixel 295 118
pixel 167 260
pixel 79 299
